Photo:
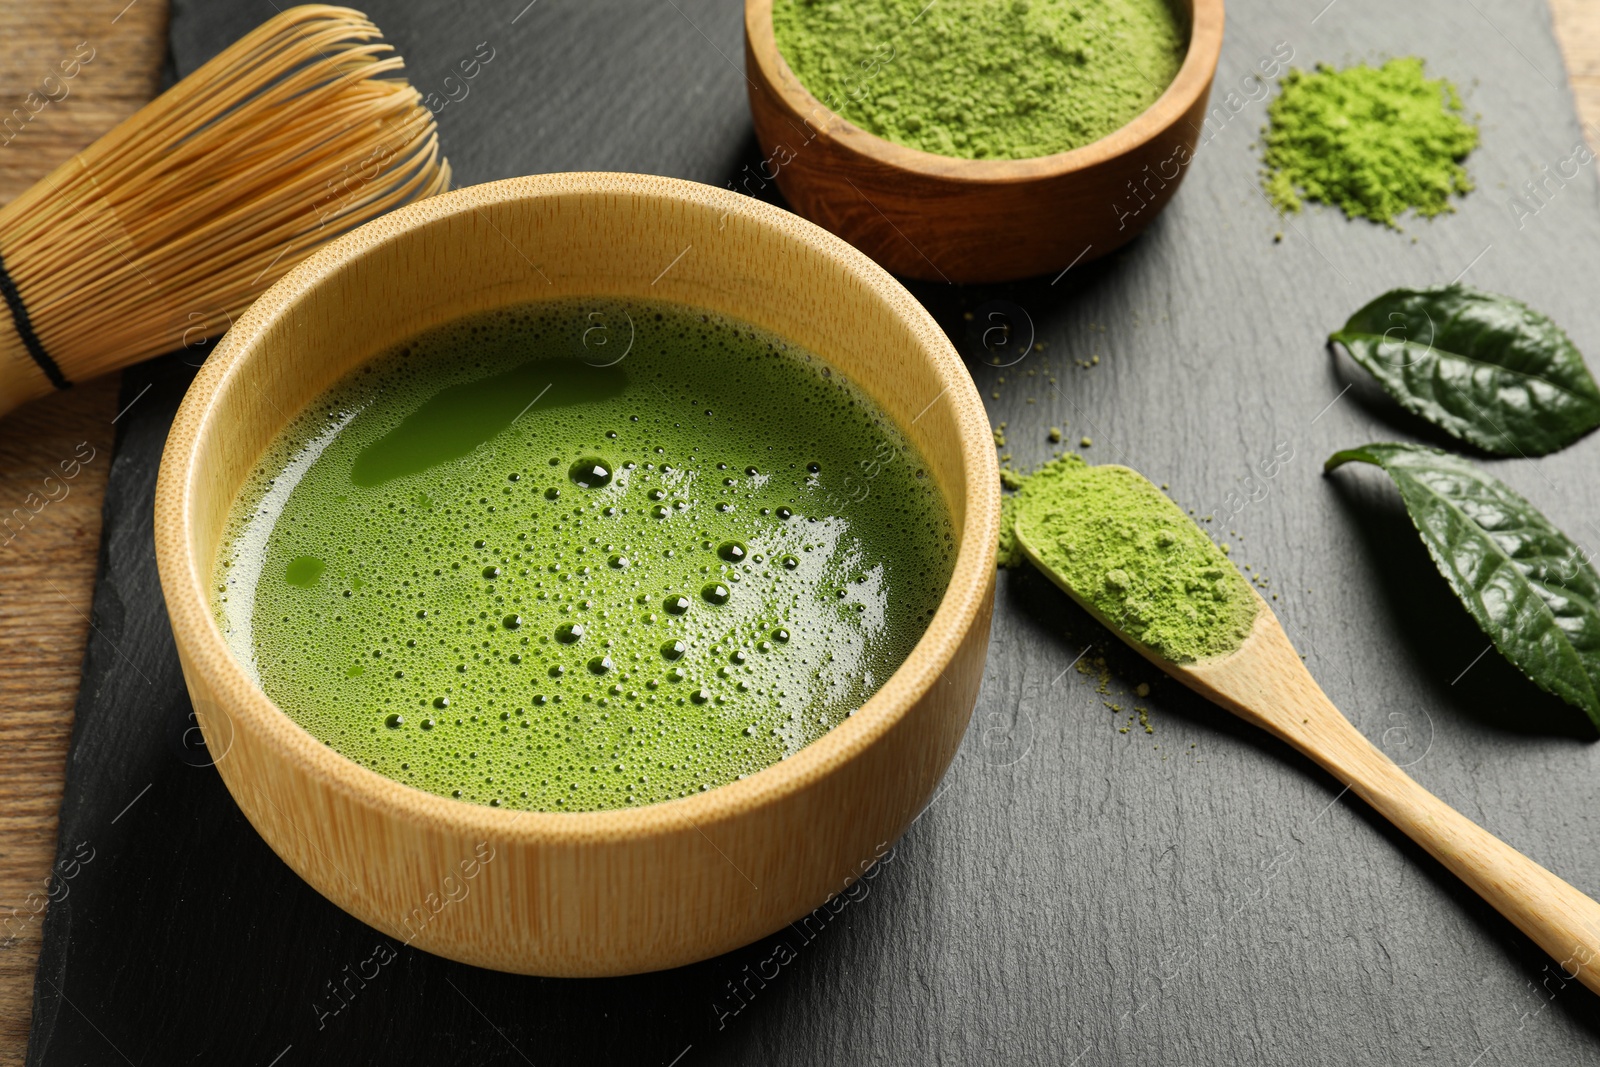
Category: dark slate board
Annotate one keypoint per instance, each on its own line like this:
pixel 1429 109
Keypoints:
pixel 1074 895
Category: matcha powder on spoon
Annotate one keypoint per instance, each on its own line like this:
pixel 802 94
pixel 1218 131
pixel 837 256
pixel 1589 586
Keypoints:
pixel 1123 549
pixel 983 79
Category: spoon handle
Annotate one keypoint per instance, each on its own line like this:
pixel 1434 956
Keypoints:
pixel 1562 920
pixel 1266 683
pixel 1558 917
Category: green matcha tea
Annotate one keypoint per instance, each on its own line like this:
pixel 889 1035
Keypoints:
pixel 582 555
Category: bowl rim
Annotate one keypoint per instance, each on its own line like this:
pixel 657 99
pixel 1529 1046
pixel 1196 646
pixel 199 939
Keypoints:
pixel 1206 18
pixel 186 586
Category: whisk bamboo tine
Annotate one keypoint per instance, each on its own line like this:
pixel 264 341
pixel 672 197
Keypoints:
pixel 169 225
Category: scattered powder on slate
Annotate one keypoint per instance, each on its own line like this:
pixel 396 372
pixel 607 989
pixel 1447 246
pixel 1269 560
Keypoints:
pixel 1374 141
pixel 1126 549
pixel 982 79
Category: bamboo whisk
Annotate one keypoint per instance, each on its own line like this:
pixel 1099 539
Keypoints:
pixel 159 233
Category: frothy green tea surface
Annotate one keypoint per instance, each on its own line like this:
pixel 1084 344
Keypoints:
pixel 576 556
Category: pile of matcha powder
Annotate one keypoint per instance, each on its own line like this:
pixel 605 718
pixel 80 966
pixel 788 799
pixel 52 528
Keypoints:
pixel 1126 550
pixel 983 79
pixel 1374 141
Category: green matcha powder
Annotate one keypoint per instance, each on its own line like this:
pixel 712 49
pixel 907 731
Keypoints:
pixel 1374 141
pixel 1132 555
pixel 979 79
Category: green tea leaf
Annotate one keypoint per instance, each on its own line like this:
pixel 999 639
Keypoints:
pixel 1486 369
pixel 1526 584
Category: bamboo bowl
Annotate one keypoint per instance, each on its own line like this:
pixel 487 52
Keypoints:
pixel 939 218
pixel 598 893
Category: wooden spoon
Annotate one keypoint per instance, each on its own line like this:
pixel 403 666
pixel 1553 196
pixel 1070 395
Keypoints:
pixel 1264 682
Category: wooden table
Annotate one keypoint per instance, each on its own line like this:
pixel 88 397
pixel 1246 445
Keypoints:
pixel 1577 24
pixel 47 569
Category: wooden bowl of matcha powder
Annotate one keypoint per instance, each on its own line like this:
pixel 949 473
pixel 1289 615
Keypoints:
pixel 978 140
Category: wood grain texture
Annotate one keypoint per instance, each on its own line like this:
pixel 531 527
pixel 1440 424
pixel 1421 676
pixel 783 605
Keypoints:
pixel 160 232
pixel 609 892
pixel 47 561
pixel 1264 918
pixel 1577 26
pixel 936 218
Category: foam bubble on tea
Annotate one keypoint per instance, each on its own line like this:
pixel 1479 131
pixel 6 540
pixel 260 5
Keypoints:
pixel 582 555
